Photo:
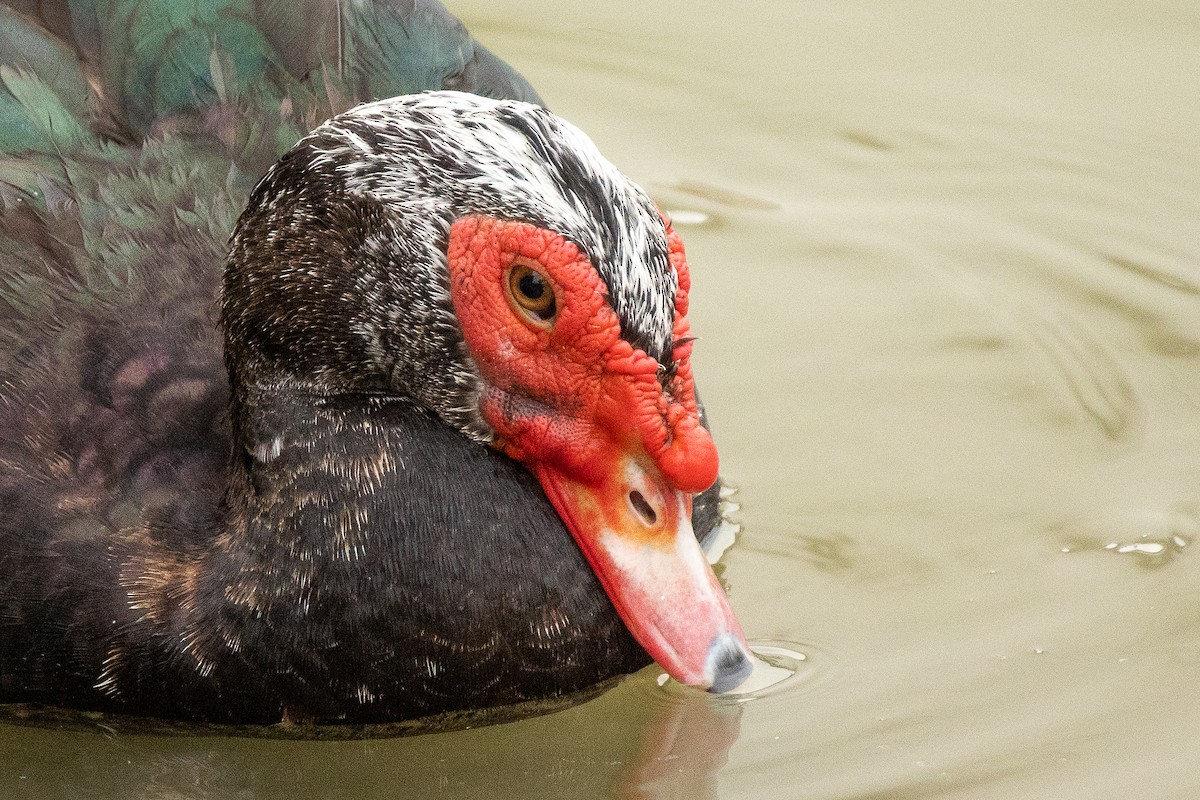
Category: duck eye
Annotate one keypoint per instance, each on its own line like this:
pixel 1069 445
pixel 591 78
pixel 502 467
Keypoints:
pixel 531 294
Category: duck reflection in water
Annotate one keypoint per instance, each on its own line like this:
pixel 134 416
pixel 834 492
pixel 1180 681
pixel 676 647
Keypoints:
pixel 633 742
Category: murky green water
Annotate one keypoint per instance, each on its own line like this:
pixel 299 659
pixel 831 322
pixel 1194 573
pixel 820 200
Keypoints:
pixel 947 270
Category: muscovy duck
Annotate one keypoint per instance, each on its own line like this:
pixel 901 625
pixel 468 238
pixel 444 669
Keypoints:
pixel 449 456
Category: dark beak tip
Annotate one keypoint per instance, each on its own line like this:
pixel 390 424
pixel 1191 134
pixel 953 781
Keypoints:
pixel 728 663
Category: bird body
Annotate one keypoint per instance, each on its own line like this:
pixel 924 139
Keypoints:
pixel 307 478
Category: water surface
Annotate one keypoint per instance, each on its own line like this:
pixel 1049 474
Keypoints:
pixel 946 259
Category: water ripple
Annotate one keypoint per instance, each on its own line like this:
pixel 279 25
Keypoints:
pixel 1090 372
pixel 1153 537
pixel 780 668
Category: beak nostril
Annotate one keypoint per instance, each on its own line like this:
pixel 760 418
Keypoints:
pixel 642 507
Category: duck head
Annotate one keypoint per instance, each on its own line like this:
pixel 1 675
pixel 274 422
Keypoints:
pixel 482 258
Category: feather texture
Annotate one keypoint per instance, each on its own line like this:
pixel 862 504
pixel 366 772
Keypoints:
pixel 132 133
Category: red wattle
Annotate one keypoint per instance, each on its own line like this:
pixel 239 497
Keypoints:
pixel 690 462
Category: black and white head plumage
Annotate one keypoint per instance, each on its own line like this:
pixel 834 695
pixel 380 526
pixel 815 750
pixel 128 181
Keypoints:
pixel 377 188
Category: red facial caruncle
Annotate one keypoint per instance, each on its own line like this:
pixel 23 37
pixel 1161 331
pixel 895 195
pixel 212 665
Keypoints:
pixel 613 436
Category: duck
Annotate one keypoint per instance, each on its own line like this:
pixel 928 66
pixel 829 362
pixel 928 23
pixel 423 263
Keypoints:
pixel 341 381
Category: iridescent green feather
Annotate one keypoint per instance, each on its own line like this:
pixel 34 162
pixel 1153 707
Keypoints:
pixel 131 132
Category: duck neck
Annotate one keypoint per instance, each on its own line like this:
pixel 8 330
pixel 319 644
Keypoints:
pixel 312 476
pixel 310 538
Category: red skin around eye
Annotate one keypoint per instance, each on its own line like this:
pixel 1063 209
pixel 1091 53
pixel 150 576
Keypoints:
pixel 567 395
pixel 618 452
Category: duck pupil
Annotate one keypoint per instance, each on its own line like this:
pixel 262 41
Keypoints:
pixel 532 286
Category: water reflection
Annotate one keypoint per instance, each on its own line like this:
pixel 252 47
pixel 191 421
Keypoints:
pixel 665 746
pixel 683 747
